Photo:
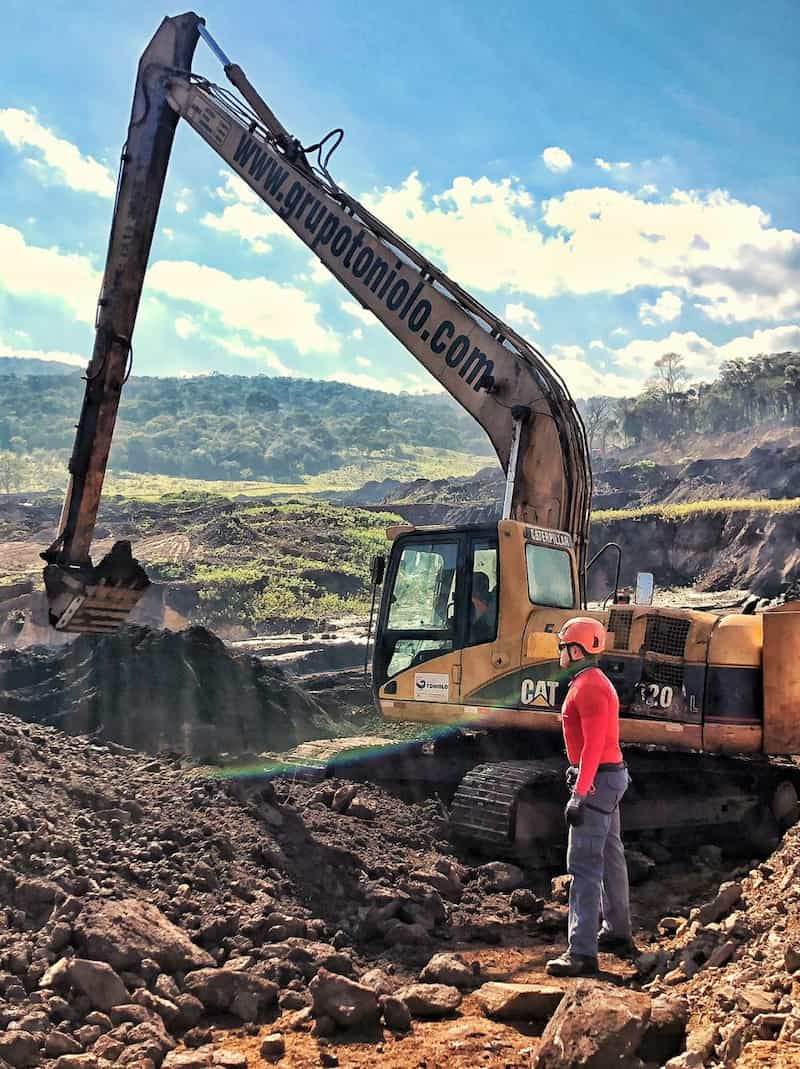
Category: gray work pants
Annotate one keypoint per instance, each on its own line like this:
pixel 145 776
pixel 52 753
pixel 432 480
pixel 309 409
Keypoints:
pixel 596 862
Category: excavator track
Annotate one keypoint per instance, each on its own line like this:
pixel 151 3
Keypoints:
pixel 484 806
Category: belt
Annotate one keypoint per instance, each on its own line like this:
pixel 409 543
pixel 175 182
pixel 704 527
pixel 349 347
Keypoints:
pixel 617 766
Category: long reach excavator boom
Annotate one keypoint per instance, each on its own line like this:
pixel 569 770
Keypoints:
pixel 495 374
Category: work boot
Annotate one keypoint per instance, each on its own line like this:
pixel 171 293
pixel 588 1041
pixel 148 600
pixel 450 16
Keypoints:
pixel 569 964
pixel 622 946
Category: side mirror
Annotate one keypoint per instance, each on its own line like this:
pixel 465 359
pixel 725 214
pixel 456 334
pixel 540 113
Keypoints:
pixel 377 569
pixel 645 588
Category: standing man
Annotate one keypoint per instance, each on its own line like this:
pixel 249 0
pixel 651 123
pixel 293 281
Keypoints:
pixel 597 778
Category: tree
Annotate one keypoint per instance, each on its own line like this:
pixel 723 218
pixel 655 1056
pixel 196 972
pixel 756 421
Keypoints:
pixel 597 419
pixel 670 375
pixel 10 472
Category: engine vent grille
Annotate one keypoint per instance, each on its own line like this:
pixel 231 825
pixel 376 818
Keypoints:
pixel 620 624
pixel 666 635
pixel 666 675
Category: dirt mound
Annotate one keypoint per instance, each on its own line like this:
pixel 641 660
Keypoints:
pixel 184 691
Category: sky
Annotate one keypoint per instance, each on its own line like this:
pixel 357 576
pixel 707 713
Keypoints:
pixel 615 178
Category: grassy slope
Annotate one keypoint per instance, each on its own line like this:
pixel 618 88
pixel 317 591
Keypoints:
pixel 693 508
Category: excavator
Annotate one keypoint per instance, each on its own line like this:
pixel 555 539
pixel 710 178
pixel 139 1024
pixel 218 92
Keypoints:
pixel 467 625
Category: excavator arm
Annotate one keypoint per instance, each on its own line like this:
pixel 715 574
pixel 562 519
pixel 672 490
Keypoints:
pixel 494 373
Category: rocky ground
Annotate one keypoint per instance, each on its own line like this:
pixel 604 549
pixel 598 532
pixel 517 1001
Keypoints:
pixel 158 917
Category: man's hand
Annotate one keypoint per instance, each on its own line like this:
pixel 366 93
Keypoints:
pixel 573 814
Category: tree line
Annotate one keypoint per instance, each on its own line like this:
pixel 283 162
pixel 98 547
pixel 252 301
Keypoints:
pixel 747 392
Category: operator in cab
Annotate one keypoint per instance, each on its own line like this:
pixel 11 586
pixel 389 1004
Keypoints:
pixel 597 779
pixel 483 618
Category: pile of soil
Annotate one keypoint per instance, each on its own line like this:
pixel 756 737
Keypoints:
pixel 154 690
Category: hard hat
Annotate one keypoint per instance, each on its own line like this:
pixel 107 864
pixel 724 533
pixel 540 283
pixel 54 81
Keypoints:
pixel 582 631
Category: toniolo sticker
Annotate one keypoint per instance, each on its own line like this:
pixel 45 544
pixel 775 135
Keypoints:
pixel 431 686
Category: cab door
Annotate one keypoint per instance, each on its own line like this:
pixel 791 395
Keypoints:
pixel 422 624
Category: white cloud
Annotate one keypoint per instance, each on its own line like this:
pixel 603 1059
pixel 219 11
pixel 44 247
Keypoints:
pixel 596 344
pixel 245 216
pixel 620 332
pixel 185 327
pixel 73 359
pixel 168 233
pixel 667 307
pixel 319 273
pixel 259 306
pixel 355 310
pixel 619 168
pixel 582 378
pixel 703 357
pixel 65 160
pixel 32 271
pixel 408 384
pixel 357 334
pixel 521 315
pixel 363 361
pixel 648 190
pixel 237 346
pixel 557 159
pixel 711 248
pixel 183 201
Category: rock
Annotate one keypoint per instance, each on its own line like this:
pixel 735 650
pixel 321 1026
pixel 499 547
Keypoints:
pixel 396 1013
pixel 430 1000
pixel 526 901
pixel 361 809
pixel 702 1041
pixel 243 995
pixel 559 888
pixel 754 1000
pixel 58 1043
pixel 666 1030
pixel 19 1049
pixel 187 1059
pixel 724 901
pixel 501 876
pixel 446 884
pixel 122 933
pixel 347 1003
pixel 758 1054
pixel 649 961
pixel 398 932
pixel 109 1048
pixel 448 969
pixel 709 854
pixel 594 1026
pixel 508 1002
pixel 166 1010
pixel 380 981
pixel 83 1061
pixel 640 866
pixel 229 1059
pixel 343 797
pixel 791 957
pixel 190 1010
pixel 98 981
pixel 690 1059
pixel 35 895
pixel 273 1046
pixel 57 976
pixel 722 954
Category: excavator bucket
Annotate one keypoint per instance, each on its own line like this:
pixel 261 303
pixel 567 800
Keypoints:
pixel 95 600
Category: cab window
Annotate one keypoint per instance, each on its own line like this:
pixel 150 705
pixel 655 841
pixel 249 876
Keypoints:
pixel 483 593
pixel 549 577
pixel 424 590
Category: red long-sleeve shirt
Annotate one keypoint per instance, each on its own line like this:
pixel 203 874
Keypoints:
pixel 590 720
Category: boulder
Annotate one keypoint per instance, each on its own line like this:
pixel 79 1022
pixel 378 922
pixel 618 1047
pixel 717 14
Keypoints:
pixel 508 1002
pixel 501 876
pixel 640 866
pixel 396 1013
pixel 380 981
pixel 724 901
pixel 273 1046
pixel 98 981
pixel 430 1000
pixel 19 1049
pixel 666 1030
pixel 448 969
pixel 187 1059
pixel 125 932
pixel 347 1003
pixel 245 996
pixel 594 1026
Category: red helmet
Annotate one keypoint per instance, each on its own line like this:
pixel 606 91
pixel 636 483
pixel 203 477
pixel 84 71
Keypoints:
pixel 582 631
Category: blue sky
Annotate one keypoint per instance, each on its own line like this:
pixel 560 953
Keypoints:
pixel 617 179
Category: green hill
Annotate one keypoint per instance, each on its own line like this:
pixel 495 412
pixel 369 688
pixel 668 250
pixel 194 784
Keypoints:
pixel 225 427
